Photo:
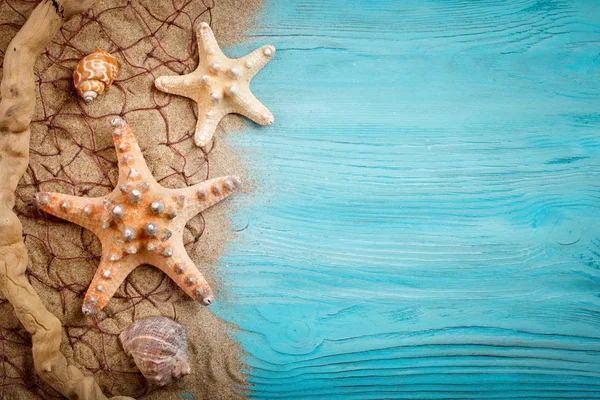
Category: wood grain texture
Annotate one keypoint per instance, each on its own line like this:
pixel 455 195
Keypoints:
pixel 425 216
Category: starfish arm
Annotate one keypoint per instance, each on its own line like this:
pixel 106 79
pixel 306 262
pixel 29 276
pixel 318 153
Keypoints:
pixel 255 61
pixel 206 125
pixel 180 85
pixel 106 281
pixel 206 194
pixel 249 106
pixel 182 270
pixel 83 211
pixel 208 48
pixel 133 169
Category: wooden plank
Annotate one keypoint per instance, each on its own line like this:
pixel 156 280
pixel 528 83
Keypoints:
pixel 424 216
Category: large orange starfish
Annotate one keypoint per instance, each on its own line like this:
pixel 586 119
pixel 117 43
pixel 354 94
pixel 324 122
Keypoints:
pixel 220 85
pixel 140 222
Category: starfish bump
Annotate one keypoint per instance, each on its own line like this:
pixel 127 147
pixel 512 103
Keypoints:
pixel 220 85
pixel 139 222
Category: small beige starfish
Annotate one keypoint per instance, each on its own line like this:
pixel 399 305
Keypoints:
pixel 220 85
pixel 140 222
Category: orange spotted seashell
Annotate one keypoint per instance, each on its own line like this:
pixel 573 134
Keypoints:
pixel 94 73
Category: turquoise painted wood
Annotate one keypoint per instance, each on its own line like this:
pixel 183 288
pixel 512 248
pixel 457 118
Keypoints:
pixel 424 218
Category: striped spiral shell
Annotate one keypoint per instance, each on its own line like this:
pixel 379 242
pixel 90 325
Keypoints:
pixel 94 73
pixel 158 346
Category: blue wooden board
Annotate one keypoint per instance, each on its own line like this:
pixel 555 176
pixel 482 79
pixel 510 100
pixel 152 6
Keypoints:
pixel 424 220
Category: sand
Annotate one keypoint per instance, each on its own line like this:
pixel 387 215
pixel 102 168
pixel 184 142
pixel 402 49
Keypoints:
pixel 72 152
